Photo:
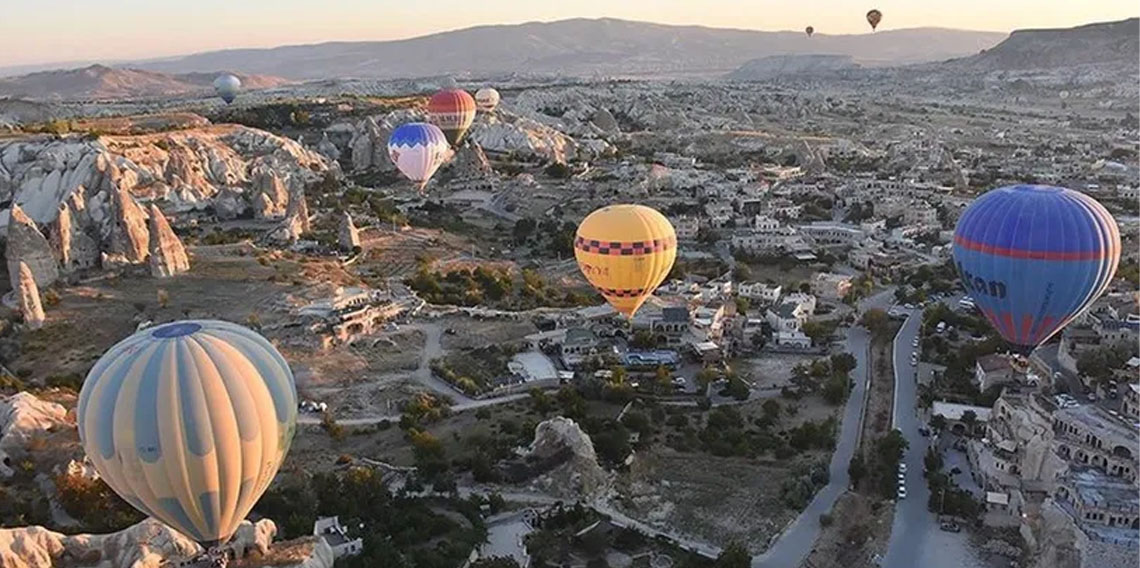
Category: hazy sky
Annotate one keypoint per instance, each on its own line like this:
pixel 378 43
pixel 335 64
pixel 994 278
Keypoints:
pixel 37 31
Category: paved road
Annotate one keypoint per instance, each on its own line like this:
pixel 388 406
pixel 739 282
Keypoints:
pixel 794 545
pixel 798 538
pixel 915 538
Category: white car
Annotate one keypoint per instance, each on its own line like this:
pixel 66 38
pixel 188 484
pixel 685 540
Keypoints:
pixel 902 467
pixel 914 343
pixel 902 492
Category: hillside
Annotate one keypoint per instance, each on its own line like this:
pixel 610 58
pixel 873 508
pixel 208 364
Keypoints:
pixel 1108 43
pixel 578 46
pixel 102 82
pixel 781 65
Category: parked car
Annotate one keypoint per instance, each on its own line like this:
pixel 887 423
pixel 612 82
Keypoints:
pixel 949 526
pixel 955 470
pixel 902 492
pixel 924 432
pixel 902 467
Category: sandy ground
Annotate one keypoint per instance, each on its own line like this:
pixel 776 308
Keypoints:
pixel 857 530
pixel 773 370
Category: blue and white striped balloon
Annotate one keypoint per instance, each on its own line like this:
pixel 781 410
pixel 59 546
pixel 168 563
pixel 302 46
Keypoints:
pixel 418 149
pixel 189 422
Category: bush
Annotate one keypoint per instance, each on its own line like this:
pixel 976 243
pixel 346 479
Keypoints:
pixel 825 520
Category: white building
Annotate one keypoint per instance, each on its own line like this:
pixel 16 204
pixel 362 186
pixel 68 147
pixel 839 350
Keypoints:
pixel 918 214
pixel 759 292
pixel 833 233
pixel 765 223
pixel 687 228
pixel 329 529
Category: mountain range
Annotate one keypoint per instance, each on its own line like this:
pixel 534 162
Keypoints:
pixel 102 82
pixel 577 47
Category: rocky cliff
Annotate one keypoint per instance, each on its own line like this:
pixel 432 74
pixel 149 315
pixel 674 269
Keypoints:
pixel 581 477
pixel 22 417
pixel 149 544
pixel 28 295
pixel 88 192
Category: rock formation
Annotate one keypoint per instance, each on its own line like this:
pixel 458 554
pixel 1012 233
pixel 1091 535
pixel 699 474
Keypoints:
pixel 270 197
pixel 129 235
pixel 29 296
pixel 348 237
pixel 22 417
pixel 149 544
pixel 296 221
pixel 26 244
pixel 368 146
pixel 605 120
pixel 167 255
pixel 327 148
pixel 469 162
pixel 581 477
pixel 75 249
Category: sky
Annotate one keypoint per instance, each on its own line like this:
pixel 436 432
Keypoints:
pixel 48 31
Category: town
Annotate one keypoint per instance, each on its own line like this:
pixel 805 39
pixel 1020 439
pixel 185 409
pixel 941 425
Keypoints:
pixel 814 383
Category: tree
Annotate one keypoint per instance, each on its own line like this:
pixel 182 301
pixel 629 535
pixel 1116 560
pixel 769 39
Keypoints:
pixel 843 363
pixel 495 562
pixel 523 228
pixel 663 378
pixel 329 424
pixel 877 322
pixel 618 375
pixel 706 376
pixel 642 339
pixel 759 340
pixel 735 555
pixel 938 422
pixel 771 408
pixel 738 389
pixel 163 298
pixel 819 332
pixel 969 419
pixel 856 469
pixel 835 389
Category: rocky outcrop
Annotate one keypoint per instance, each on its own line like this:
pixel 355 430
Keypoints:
pixel 581 477
pixel 167 255
pixel 327 148
pixel 368 146
pixel 348 237
pixel 773 66
pixel 271 197
pixel 507 133
pixel 149 544
pixel 604 120
pixel 195 168
pixel 22 417
pixel 29 296
pixel 27 245
pixel 129 235
pixel 74 249
pixel 296 221
pixel 469 162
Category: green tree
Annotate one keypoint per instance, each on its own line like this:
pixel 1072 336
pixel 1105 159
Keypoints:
pixel 970 420
pixel 938 422
pixel 735 555
pixel 771 408
pixel 663 378
pixel 877 322
pixel 856 469
pixel 523 229
pixel 738 389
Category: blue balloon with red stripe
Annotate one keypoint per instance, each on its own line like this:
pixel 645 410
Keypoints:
pixel 1034 257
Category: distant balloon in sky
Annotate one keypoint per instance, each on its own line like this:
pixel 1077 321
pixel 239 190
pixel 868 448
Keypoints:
pixel 873 18
pixel 418 149
pixel 1034 257
pixel 1064 95
pixel 625 252
pixel 227 87
pixel 453 111
pixel 809 30
pixel 486 99
pixel 189 422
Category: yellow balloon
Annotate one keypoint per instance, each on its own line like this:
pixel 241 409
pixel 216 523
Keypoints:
pixel 625 252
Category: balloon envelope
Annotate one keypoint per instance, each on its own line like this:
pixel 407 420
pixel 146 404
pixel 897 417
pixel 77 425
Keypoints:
pixel 809 30
pixel 418 149
pixel 453 111
pixel 874 17
pixel 486 99
pixel 227 87
pixel 188 422
pixel 625 252
pixel 1034 257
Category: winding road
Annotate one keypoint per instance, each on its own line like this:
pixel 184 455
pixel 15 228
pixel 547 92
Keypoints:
pixel 423 375
pixel 795 543
pixel 915 537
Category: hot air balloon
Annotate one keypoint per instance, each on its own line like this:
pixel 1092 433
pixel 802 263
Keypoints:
pixel 418 149
pixel 1034 257
pixel 453 111
pixel 1064 95
pixel 188 422
pixel 227 87
pixel 486 99
pixel 809 30
pixel 625 252
pixel 873 18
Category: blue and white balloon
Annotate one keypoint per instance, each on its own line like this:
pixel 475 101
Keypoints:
pixel 227 87
pixel 418 149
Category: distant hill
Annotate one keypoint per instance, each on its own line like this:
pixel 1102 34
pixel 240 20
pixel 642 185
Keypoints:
pixel 102 82
pixel 578 47
pixel 781 65
pixel 1108 43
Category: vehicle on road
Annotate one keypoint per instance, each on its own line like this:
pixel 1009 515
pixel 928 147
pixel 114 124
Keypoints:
pixel 949 526
pixel 955 470
pixel 924 432
pixel 914 343
pixel 902 467
pixel 902 492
